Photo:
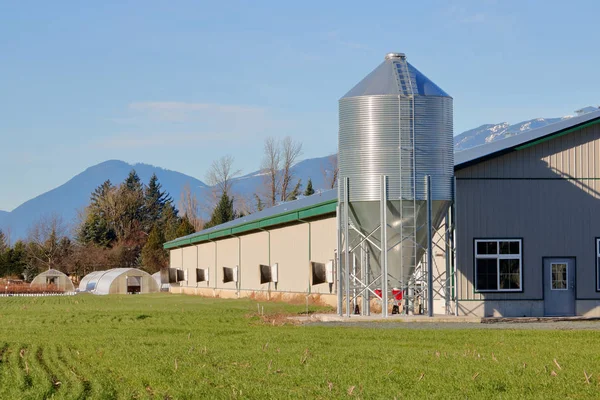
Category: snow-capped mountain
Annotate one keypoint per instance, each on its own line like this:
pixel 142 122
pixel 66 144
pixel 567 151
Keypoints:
pixel 492 132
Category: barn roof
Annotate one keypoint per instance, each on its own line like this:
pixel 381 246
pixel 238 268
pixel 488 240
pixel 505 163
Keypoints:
pixel 311 206
pixel 474 155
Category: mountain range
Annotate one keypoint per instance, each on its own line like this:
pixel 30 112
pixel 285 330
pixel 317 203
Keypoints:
pixel 70 199
pixel 491 132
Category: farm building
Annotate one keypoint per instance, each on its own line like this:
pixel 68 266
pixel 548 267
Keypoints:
pixel 118 281
pixel 53 279
pixel 266 252
pixel 528 222
pixel 509 228
pixel 163 287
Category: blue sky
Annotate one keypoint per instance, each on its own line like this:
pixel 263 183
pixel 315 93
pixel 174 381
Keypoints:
pixel 178 84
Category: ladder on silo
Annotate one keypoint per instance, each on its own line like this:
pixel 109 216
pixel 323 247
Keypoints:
pixel 408 204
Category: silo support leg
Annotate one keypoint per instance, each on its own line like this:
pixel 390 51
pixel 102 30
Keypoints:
pixel 384 242
pixel 339 278
pixel 346 244
pixel 429 249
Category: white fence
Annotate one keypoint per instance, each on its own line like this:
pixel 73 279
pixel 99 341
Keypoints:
pixel 37 294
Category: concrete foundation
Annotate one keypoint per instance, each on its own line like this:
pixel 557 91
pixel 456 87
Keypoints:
pixel 491 308
pixel 260 295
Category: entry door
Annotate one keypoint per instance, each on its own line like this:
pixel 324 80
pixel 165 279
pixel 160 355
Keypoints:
pixel 559 290
pixel 134 284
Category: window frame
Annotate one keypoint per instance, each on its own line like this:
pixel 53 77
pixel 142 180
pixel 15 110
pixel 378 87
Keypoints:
pixel 498 257
pixel 552 264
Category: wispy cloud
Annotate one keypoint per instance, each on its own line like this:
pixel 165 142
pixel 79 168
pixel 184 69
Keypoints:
pixel 171 123
pixel 486 14
pixel 337 38
pixel 462 15
pixel 180 111
pixel 136 141
pixel 477 18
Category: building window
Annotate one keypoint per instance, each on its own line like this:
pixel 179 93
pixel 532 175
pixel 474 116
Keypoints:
pixel 559 276
pixel 498 265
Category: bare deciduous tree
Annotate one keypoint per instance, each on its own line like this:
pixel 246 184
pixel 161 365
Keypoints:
pixel 190 208
pixel 221 174
pixel 290 151
pixel 330 171
pixel 271 165
pixel 48 244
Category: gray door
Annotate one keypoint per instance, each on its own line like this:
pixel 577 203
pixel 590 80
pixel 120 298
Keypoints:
pixel 559 286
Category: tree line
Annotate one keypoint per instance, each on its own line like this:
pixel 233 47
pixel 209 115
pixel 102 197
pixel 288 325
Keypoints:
pixel 122 226
pixel 126 225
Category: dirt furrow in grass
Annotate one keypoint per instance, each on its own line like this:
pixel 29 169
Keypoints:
pixel 73 382
pixel 24 368
pixel 102 384
pixel 82 384
pixel 55 383
pixel 3 350
pixel 3 361
pixel 9 372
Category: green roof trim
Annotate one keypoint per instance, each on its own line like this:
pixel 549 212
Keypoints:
pixel 557 134
pixel 298 215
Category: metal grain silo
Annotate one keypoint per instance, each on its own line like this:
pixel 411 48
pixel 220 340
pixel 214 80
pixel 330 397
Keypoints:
pixel 395 131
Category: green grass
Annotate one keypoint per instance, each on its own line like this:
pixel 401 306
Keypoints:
pixel 184 347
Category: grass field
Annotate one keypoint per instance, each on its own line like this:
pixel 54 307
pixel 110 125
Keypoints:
pixel 184 347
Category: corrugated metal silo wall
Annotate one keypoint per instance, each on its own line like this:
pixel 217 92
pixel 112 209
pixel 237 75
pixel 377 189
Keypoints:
pixel 369 142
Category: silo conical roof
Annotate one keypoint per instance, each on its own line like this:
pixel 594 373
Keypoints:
pixel 390 78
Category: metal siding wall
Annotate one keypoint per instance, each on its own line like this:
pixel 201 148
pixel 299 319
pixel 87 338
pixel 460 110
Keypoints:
pixel 190 263
pixel 176 258
pixel 571 156
pixel 289 248
pixel 206 259
pixel 227 256
pixel 554 216
pixel 323 243
pixel 255 251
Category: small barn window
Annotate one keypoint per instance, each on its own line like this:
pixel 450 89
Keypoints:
pixel 230 274
pixel 202 275
pixel 498 265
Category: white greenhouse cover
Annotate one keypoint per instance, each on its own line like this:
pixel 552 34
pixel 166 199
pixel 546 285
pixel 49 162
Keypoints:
pixel 99 282
pixel 88 283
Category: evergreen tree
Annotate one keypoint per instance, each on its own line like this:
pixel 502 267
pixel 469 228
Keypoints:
pixel 293 195
pixel 185 228
pixel 309 191
pixel 154 257
pixel 169 222
pixel 130 205
pixel 15 260
pixel 100 195
pixel 223 212
pixel 4 254
pixel 96 230
pixel 3 243
pixel 99 227
pixel 133 182
pixel 155 200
